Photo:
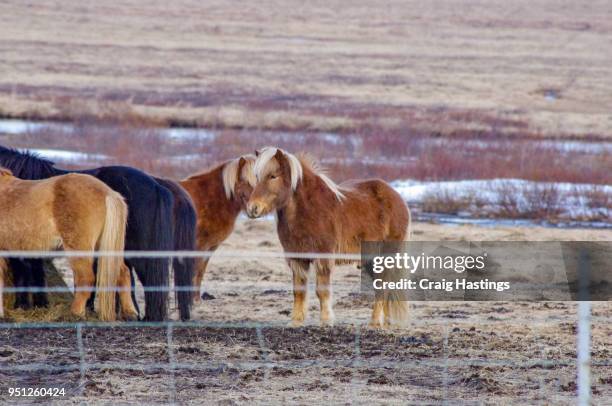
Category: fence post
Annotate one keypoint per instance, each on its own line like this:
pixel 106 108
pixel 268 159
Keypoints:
pixel 583 351
pixel 82 366
pixel 171 362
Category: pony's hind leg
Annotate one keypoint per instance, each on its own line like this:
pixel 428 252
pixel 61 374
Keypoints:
pixel 22 278
pixel 128 311
pixel 84 280
pixel 324 291
pixel 39 280
pixel 300 291
pixel 377 314
pixel 3 268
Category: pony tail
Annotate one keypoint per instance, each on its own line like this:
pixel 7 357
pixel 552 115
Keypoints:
pixel 395 303
pixel 157 270
pixel 112 239
pixel 185 240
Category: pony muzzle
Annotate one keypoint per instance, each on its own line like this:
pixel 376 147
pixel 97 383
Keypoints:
pixel 254 210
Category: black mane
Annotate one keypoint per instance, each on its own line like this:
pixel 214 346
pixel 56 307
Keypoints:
pixel 26 164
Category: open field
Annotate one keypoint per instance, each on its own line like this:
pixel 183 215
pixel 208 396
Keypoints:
pixel 508 352
pixel 448 68
pixel 481 110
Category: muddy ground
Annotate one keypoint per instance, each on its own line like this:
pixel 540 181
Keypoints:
pixel 478 352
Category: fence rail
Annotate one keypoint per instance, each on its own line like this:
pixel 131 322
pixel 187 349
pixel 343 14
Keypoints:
pixel 441 364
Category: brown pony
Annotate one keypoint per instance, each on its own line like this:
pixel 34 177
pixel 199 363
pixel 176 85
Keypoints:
pixel 316 215
pixel 218 195
pixel 77 213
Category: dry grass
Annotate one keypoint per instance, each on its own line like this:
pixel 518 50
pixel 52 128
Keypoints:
pixel 129 139
pixel 449 68
pixel 442 201
pixel 543 202
pixel 59 302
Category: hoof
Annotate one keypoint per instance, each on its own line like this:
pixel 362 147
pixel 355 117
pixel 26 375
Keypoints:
pixel 375 325
pixel 207 296
pixel 40 300
pixel 129 316
pixel 82 315
pixel 327 323
pixel 296 323
pixel 23 306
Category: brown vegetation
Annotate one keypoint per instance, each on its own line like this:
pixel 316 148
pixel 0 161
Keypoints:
pixel 445 68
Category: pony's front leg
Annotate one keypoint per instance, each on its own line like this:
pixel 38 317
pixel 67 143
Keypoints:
pixel 300 291
pixel 128 311
pixel 3 269
pixel 84 280
pixel 199 271
pixel 324 292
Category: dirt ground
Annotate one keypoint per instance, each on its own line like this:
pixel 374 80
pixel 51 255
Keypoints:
pixel 495 66
pixel 477 352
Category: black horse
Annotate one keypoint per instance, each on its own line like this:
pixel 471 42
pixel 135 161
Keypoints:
pixel 152 225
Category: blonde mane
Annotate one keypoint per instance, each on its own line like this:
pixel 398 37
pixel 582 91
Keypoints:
pixel 230 174
pixel 296 167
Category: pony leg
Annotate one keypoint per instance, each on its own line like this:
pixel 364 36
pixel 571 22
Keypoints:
pixel 377 314
pixel 300 291
pixel 22 278
pixel 200 270
pixel 39 280
pixel 84 278
pixel 3 268
pixel 128 311
pixel 324 292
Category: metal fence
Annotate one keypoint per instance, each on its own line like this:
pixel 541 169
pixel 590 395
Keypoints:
pixel 173 367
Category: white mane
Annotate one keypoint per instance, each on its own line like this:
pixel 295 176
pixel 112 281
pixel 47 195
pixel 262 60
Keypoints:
pixel 230 174
pixel 296 169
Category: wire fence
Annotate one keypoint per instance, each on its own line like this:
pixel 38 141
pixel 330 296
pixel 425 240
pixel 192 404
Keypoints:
pixel 441 365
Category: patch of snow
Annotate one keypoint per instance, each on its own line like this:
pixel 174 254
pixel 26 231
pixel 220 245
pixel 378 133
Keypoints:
pixel 23 126
pixel 67 156
pixel 189 133
pixel 488 189
pixel 570 198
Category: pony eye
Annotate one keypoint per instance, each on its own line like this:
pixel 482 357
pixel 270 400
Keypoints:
pixel 272 176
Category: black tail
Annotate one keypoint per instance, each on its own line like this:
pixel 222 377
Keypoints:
pixel 185 222
pixel 184 240
pixel 154 272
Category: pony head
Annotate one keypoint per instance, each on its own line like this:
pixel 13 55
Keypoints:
pixel 278 174
pixel 25 164
pixel 239 178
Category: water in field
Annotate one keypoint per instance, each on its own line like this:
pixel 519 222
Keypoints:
pixel 14 127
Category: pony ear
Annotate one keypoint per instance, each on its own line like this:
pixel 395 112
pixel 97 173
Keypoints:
pixel 257 152
pixel 282 162
pixel 241 163
pixel 5 172
pixel 279 155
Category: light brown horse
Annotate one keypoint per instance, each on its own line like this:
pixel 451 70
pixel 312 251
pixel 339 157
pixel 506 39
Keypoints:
pixel 218 195
pixel 316 215
pixel 77 213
